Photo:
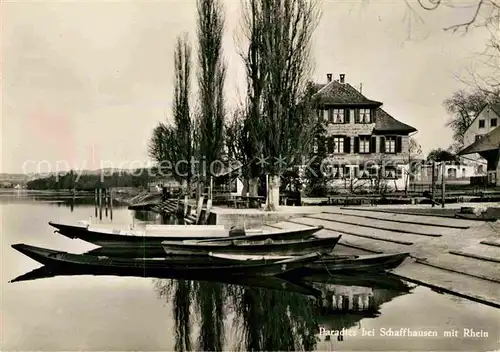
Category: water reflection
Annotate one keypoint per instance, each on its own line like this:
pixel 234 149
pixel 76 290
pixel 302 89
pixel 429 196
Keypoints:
pixel 270 313
pixel 267 313
pixel 274 320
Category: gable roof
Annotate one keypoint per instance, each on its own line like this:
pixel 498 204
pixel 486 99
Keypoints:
pixel 490 141
pixel 494 107
pixel 386 123
pixel 336 93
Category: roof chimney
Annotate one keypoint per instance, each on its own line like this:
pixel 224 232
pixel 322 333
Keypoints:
pixel 342 77
pixel 328 77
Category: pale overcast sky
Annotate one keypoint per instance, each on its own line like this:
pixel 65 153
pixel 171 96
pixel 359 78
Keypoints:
pixel 78 75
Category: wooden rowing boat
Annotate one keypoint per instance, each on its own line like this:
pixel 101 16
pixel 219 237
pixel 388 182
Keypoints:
pixel 138 266
pixel 371 262
pixel 332 263
pixel 155 234
pixel 253 247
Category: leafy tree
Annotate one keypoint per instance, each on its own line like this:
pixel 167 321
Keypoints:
pixel 211 78
pixel 414 152
pixel 279 36
pixel 463 105
pixel 484 14
pixel 438 155
pixel 315 175
pixel 171 145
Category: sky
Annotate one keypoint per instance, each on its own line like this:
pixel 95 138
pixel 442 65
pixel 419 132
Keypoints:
pixel 85 82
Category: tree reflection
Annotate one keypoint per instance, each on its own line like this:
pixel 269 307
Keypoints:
pixel 266 319
pixel 273 320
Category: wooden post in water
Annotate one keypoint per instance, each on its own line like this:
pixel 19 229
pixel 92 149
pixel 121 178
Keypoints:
pixel 433 183
pixel 95 201
pixel 443 184
pixel 100 203
pixel 106 204
pixel 111 203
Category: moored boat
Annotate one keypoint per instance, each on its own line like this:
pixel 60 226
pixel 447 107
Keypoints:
pixel 253 247
pixel 100 264
pixel 333 263
pixel 155 234
pixel 350 263
pixel 102 236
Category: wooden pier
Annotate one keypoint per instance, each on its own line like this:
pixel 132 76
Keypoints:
pixel 455 256
pixel 103 200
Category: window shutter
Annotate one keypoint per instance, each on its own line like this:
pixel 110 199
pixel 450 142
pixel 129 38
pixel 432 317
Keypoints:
pixel 373 144
pixel 345 172
pixel 382 144
pixel 372 115
pixel 330 115
pixel 321 145
pixel 356 145
pixel 399 144
pixel 346 116
pixel 347 145
pixel 356 115
pixel 330 145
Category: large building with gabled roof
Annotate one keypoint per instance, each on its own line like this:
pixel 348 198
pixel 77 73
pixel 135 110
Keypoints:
pixel 363 141
pixel 488 147
pixel 485 121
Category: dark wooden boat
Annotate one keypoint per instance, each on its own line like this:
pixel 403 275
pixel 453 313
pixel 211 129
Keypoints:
pixel 241 246
pixel 155 234
pixel 265 282
pixel 138 266
pixel 371 262
pixel 334 263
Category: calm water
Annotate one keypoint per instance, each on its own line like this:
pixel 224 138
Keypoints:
pixel 116 313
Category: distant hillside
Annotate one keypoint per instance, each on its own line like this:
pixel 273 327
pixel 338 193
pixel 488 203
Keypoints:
pixel 90 179
pixel 22 179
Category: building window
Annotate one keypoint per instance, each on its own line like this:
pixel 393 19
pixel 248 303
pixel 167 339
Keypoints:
pixel 391 172
pixel 364 116
pixel 338 172
pixel 367 172
pixel 390 145
pixel 481 124
pixel 336 115
pixel 494 122
pixel 452 173
pixel 364 145
pixel 338 145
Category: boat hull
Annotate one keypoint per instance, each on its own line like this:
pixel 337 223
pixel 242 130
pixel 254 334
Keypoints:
pixel 105 237
pixel 364 263
pixel 291 248
pixel 102 265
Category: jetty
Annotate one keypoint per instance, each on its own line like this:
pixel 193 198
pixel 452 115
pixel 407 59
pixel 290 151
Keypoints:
pixel 449 255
